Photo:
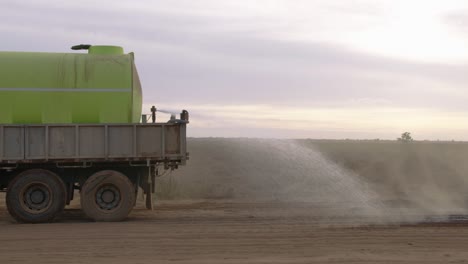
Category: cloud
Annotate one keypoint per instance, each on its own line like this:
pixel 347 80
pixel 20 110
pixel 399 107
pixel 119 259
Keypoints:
pixel 457 21
pixel 279 54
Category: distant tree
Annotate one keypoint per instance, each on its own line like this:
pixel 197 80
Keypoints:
pixel 405 137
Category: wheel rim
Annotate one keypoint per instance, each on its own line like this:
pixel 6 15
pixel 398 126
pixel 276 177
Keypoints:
pixel 36 197
pixel 108 197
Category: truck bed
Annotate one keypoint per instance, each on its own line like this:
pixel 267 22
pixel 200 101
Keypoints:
pixel 161 142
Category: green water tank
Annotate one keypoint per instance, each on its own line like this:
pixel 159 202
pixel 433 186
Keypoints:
pixel 101 86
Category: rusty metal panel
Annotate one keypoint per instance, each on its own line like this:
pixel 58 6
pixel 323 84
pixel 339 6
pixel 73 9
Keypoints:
pixel 35 142
pixel 61 142
pixel 148 141
pixel 91 142
pixel 172 139
pixel 120 140
pixel 183 144
pixel 13 142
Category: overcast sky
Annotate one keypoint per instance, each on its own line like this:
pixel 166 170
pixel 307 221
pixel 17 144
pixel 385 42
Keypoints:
pixel 277 68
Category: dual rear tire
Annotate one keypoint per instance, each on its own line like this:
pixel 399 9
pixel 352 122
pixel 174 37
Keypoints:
pixel 38 196
pixel 107 196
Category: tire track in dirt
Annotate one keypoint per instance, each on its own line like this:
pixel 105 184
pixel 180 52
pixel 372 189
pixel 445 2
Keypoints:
pixel 221 232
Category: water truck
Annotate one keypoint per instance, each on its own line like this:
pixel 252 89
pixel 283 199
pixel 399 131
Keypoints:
pixel 73 121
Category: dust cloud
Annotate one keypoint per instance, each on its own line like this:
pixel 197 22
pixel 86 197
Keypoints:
pixel 289 171
pixel 268 170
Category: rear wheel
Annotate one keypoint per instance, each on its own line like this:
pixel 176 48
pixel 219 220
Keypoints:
pixel 36 196
pixel 107 196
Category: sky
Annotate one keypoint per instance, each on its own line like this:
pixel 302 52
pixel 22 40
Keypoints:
pixel 362 69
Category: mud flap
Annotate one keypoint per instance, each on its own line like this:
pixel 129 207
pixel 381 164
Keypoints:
pixel 149 190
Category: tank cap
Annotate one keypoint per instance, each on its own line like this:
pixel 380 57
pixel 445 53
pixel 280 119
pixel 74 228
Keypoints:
pixel 81 47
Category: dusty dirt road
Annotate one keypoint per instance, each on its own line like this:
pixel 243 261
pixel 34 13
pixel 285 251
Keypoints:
pixel 229 232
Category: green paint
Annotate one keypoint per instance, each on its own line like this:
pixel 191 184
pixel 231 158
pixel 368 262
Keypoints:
pixel 28 80
pixel 114 50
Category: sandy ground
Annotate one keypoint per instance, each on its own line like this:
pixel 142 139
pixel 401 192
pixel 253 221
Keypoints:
pixel 367 202
pixel 229 232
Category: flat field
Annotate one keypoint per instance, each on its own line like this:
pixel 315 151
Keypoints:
pixel 269 201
